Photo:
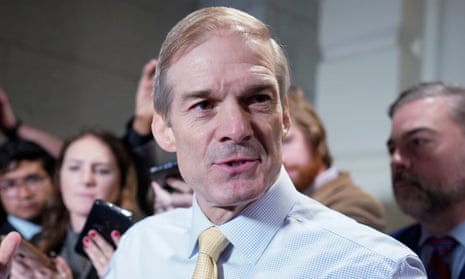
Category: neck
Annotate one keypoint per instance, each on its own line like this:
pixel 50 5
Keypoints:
pixel 77 222
pixel 220 215
pixel 447 220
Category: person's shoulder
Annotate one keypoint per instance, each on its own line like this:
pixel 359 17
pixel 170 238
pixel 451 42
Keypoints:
pixel 177 219
pixel 148 241
pixel 341 187
pixel 344 180
pixel 329 225
pixel 345 243
pixel 410 230
pixel 344 195
pixel 408 235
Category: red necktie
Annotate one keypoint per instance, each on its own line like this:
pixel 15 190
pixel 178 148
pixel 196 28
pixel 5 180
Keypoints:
pixel 442 246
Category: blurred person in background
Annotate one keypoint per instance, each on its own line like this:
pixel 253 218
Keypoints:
pixel 427 148
pixel 308 161
pixel 152 198
pixel 93 165
pixel 26 177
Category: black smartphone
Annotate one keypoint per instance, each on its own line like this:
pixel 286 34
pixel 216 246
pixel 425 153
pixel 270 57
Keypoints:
pixel 160 173
pixel 104 217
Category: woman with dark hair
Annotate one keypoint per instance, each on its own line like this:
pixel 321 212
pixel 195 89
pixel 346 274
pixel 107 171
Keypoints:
pixel 93 165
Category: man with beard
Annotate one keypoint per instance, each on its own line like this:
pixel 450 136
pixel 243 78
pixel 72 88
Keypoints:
pixel 427 148
pixel 308 160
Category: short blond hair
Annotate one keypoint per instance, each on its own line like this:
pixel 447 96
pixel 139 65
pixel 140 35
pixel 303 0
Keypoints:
pixel 194 29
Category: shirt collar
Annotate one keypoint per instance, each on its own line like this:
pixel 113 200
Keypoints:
pixel 26 228
pixel 458 233
pixel 251 231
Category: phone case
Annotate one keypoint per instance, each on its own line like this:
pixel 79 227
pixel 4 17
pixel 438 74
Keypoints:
pixel 160 173
pixel 105 217
pixel 27 249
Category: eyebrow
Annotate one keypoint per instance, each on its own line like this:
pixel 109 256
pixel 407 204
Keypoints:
pixel 197 94
pixel 410 133
pixel 79 161
pixel 261 85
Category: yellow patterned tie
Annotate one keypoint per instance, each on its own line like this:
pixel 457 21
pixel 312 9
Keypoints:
pixel 211 243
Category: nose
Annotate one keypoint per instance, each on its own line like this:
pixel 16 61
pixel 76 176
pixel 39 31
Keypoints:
pixel 23 191
pixel 234 123
pixel 399 160
pixel 87 176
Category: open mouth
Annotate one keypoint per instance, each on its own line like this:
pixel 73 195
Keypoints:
pixel 237 163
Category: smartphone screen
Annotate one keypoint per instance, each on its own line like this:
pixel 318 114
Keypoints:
pixel 104 217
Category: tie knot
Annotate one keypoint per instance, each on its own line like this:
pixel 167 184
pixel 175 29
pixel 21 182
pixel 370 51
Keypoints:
pixel 442 245
pixel 212 242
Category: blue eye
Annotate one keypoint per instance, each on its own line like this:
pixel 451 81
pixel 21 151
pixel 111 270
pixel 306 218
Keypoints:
pixel 203 105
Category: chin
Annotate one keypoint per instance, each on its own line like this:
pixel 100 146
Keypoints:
pixel 237 198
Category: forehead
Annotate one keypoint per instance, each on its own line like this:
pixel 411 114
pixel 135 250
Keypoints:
pixel 88 147
pixel 220 60
pixel 432 113
pixel 24 167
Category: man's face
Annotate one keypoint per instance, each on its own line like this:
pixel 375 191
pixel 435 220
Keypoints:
pixel 227 121
pixel 300 159
pixel 30 193
pixel 427 158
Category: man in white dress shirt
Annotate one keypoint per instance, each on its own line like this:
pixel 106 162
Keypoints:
pixel 220 102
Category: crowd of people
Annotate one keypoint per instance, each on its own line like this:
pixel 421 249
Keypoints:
pixel 258 183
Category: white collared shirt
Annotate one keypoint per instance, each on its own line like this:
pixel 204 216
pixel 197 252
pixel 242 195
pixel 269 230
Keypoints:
pixel 283 234
pixel 26 228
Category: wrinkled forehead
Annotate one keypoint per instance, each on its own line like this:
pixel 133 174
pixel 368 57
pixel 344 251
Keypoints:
pixel 187 36
pixel 255 44
pixel 222 61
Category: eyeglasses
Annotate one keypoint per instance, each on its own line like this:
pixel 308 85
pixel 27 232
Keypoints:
pixel 11 186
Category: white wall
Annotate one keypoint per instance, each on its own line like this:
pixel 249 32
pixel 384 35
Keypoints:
pixel 371 50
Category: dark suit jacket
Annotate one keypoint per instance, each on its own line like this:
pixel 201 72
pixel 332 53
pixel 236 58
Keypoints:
pixel 6 227
pixel 410 236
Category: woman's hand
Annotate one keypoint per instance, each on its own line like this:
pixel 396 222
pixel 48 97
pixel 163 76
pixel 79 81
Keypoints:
pixel 99 250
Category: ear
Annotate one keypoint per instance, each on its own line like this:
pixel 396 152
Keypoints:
pixel 163 133
pixel 286 117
